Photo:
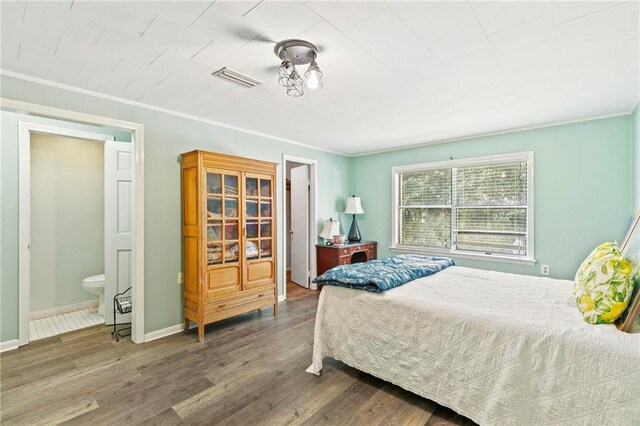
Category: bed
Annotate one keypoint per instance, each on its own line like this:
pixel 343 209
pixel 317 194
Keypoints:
pixel 498 348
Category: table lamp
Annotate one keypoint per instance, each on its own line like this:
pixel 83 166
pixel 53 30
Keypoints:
pixel 354 207
pixel 331 228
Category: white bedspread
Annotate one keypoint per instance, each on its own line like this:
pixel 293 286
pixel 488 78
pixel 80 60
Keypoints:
pixel 497 348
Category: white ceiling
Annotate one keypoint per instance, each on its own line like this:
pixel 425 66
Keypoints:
pixel 396 73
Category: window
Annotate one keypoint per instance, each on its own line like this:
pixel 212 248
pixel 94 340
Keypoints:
pixel 476 207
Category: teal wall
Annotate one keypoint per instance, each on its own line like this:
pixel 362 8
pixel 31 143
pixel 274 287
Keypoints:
pixel 166 136
pixel 67 219
pixel 636 155
pixel 582 179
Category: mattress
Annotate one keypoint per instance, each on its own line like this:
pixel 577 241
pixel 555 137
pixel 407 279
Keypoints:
pixel 497 348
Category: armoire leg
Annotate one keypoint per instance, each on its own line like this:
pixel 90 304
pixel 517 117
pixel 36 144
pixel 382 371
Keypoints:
pixel 200 333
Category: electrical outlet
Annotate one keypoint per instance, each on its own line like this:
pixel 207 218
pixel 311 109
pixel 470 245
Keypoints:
pixel 544 269
pixel 180 279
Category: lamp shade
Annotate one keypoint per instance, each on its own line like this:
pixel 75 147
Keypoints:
pixel 331 228
pixel 354 206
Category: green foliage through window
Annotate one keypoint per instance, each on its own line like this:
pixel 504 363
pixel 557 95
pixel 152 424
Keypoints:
pixel 478 209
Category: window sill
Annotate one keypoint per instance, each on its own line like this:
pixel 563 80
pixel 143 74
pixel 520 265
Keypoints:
pixel 457 254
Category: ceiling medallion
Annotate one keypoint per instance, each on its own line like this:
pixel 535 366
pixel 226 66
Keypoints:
pixel 298 52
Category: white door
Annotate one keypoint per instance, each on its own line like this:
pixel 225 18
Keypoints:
pixel 118 224
pixel 300 225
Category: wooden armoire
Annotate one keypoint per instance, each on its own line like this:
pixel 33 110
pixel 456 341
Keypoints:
pixel 229 230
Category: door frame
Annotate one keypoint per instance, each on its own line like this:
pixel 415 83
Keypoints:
pixel 24 173
pixel 313 215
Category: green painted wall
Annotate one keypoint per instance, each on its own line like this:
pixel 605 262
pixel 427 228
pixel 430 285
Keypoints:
pixel 636 155
pixel 67 219
pixel 166 136
pixel 582 176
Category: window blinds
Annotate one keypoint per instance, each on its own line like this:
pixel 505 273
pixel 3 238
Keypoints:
pixel 491 209
pixel 425 208
pixel 477 209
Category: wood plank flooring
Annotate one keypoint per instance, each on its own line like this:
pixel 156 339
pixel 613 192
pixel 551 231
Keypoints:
pixel 249 370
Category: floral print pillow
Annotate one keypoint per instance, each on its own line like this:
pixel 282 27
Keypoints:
pixel 603 285
pixel 599 252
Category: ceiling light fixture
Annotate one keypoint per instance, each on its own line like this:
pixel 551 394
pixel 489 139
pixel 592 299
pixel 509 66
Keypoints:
pixel 236 77
pixel 298 52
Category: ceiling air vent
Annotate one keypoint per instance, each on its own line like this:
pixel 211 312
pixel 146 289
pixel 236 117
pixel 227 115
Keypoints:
pixel 235 77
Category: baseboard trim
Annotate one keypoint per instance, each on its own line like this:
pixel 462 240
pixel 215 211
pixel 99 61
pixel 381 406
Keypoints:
pixel 63 309
pixel 164 332
pixel 9 345
pixel 175 329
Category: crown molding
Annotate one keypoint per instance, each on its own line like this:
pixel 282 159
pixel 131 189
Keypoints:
pixel 315 148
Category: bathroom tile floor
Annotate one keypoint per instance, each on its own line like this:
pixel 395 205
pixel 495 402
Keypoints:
pixel 62 323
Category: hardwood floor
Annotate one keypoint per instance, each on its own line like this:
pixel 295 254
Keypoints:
pixel 249 370
pixel 296 292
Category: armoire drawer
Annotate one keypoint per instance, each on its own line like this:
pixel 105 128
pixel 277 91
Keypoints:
pixel 216 305
pixel 241 305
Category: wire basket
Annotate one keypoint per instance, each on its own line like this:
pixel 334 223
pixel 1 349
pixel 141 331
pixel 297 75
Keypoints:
pixel 123 304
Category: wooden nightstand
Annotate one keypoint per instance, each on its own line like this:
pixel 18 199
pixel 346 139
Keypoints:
pixel 344 254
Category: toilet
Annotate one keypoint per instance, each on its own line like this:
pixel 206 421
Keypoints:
pixel 95 285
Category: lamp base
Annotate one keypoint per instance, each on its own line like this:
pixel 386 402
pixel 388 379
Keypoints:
pixel 354 232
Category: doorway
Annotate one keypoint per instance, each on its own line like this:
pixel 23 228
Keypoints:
pixel 67 233
pixel 93 218
pixel 300 222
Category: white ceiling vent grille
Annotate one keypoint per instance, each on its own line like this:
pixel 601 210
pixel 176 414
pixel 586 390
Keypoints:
pixel 236 77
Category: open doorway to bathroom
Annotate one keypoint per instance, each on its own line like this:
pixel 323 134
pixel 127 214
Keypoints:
pixel 67 235
pixel 76 227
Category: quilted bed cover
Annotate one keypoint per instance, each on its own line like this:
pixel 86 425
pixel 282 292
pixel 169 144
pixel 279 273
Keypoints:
pixel 498 348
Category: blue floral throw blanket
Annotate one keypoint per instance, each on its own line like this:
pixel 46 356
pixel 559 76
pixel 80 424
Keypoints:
pixel 384 274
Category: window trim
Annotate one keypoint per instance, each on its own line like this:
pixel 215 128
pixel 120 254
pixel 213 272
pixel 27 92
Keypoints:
pixel 458 163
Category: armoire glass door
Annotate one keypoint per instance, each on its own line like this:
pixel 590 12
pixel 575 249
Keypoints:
pixel 223 236
pixel 259 211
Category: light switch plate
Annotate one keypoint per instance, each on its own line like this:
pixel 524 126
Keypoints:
pixel 180 279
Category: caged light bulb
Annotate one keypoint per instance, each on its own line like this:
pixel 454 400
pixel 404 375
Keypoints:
pixel 313 76
pixel 312 80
